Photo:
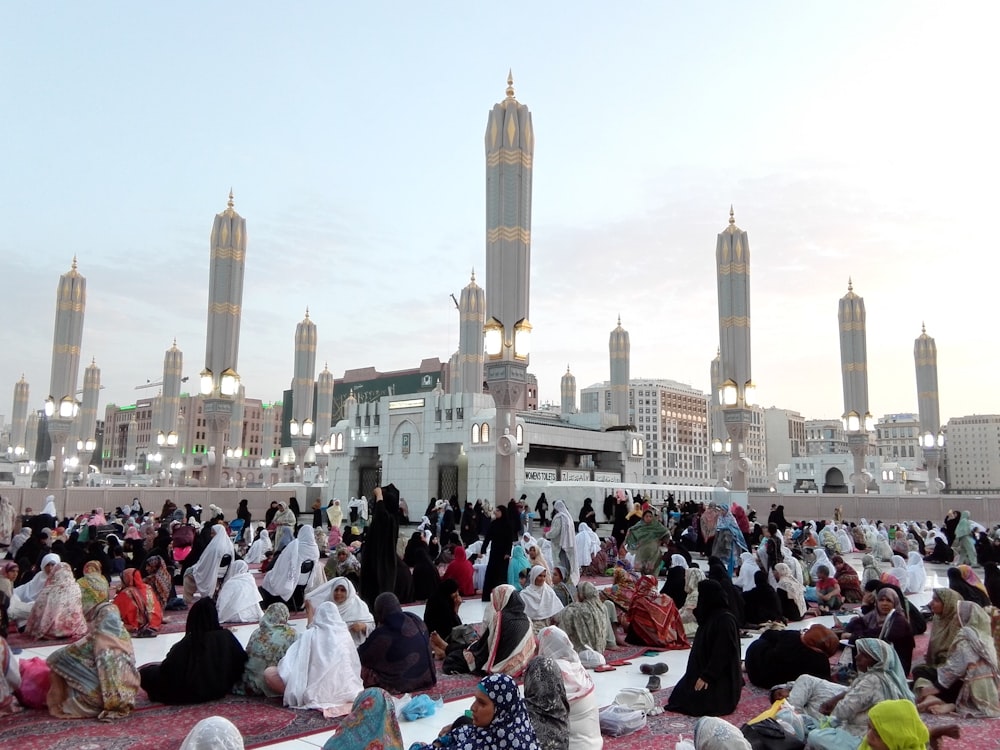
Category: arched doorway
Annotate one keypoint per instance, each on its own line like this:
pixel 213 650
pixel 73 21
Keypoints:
pixel 834 482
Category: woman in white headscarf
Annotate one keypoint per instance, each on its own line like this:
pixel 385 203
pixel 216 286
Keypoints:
pixel 50 506
pixel 821 559
pixel 901 573
pixel 748 566
pixel 239 599
pixel 563 540
pixel 309 550
pixel 844 543
pixel 916 574
pixel 213 733
pixel 202 577
pixel 321 669
pixel 260 547
pixel 588 544
pixel 584 724
pixel 352 608
pixel 282 576
pixel 25 594
pixel 540 600
pixel 335 513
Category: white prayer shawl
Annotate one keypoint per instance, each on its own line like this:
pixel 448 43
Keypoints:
pixel 260 546
pixel 213 733
pixel 916 574
pixel 239 599
pixel 309 550
pixel 563 541
pixel 900 572
pixel 281 578
pixel 748 566
pixel 321 669
pixel 205 572
pixel 540 602
pixel 588 544
pixel 50 506
pixel 844 542
pixel 353 609
pixel 28 592
pixel 821 559
pixel 793 565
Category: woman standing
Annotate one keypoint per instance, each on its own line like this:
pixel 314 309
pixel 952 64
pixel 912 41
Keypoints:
pixel 965 549
pixel 563 538
pixel 644 539
pixel 499 540
pixel 712 684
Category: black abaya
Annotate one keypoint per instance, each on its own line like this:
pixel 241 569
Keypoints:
pixel 378 556
pixel 499 540
pixel 714 660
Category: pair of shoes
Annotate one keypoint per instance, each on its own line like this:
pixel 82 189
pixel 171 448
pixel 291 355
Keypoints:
pixel 653 684
pixel 655 668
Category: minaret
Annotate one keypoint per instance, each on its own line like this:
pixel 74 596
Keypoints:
pixel 220 379
pixel 71 302
pixel 303 383
pixel 472 317
pixel 567 391
pixel 173 368
pixel 510 146
pixel 87 421
pixel 931 437
pixel 324 404
pixel 621 352
pixel 854 369
pixel 717 424
pixel 732 261
pixel 19 421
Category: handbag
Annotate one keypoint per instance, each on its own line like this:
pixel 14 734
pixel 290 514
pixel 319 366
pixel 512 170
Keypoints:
pixel 769 735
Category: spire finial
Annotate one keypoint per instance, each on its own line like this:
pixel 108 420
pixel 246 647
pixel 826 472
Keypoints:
pixel 74 262
pixel 732 219
pixel 307 312
pixel 619 320
pixel 850 284
pixel 923 327
pixel 510 83
pixel 230 202
pixel 567 368
pixel 473 274
pixel 175 342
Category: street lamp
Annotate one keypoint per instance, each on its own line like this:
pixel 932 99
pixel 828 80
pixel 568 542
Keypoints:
pixel 129 469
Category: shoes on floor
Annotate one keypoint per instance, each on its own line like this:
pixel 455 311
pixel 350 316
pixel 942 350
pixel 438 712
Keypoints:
pixel 653 684
pixel 656 668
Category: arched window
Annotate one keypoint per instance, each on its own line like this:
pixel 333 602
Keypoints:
pixel 484 436
pixel 475 434
pixel 519 434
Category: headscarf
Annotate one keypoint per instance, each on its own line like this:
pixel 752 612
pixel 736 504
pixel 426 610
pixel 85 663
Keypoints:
pixel 554 643
pixel 887 667
pixel 871 571
pixel 916 574
pixel 260 546
pixel 546 702
pixel 967 590
pixel 29 591
pixel 510 640
pixel 585 622
pixel 50 506
pixel 283 575
pixel 944 627
pixel 511 726
pixel 821 559
pixel 58 610
pixel 748 566
pixel 322 669
pixel 975 629
pixel 239 599
pixel 439 611
pixel 158 578
pixel 787 583
pixel 213 733
pixel 371 725
pixel 352 610
pixel 461 570
pixel 335 514
pixel 821 639
pixel 519 562
pixel 94 588
pixel 713 733
pixel 101 666
pixel 588 544
pixel 899 571
pixel 540 601
pixel 137 603
pixel 205 572
pixel 899 725
pixel 726 521
pixel 267 644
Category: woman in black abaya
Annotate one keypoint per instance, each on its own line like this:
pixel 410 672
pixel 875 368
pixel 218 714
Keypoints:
pixel 712 683
pixel 378 556
pixel 499 540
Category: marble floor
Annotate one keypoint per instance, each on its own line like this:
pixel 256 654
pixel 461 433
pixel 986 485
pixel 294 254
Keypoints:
pixel 424 730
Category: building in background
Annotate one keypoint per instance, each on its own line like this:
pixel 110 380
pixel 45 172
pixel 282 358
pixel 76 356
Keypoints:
pixel 897 440
pixel 973 454
pixel 784 436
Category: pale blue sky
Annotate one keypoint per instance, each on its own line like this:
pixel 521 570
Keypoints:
pixel 855 139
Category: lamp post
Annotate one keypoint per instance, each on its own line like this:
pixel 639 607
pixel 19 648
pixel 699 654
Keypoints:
pixel 932 446
pixel 720 460
pixel 84 450
pixel 737 416
pixel 60 416
pixel 129 470
pixel 857 427
pixel 176 472
pixel 301 435
pixel 220 393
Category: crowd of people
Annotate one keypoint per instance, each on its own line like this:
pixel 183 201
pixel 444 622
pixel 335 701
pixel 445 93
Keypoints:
pixel 99 580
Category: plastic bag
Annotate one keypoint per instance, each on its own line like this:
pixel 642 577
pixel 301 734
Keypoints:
pixel 420 707
pixel 636 698
pixel 617 720
pixel 35 680
pixel 591 659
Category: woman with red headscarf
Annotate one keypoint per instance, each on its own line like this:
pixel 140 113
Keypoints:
pixel 139 607
pixel 460 570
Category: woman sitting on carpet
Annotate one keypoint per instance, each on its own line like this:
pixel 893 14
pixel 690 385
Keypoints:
pixel 761 602
pixel 887 620
pixel 827 591
pixel 944 628
pixel 964 580
pixel 202 666
pixel 96 676
pixel 499 720
pixel 441 614
pixel 584 722
pixel 157 575
pixel 916 573
pixel 267 645
pixel 712 682
pixel 461 571
pixel 585 623
pixel 213 733
pixel 25 594
pixel 202 577
pixel 783 655
pixel 518 567
pixel 94 588
pixel 353 610
pixel 239 598
pixel 546 702
pixel 321 669
pixel 541 604
pixel 58 610
pixel 847 579
pixel 371 725
pixel 10 680
pixel 139 607
pixel 564 588
pixel 692 577
pixel 791 594
pixel 871 570
pixel 652 618
pixel 397 653
pixel 969 680
pixel 509 642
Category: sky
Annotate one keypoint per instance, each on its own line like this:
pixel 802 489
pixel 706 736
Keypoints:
pixel 855 141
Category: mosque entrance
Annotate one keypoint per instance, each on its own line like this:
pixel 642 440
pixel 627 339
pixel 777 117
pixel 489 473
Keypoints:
pixel 447 481
pixel 834 481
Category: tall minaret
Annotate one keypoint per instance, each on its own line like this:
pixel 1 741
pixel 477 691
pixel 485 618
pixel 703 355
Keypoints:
pixel 931 437
pixel 567 391
pixel 19 421
pixel 302 388
pixel 472 317
pixel 173 369
pixel 621 352
pixel 854 368
pixel 220 379
pixel 732 261
pixel 87 421
pixel 510 145
pixel 324 404
pixel 71 302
